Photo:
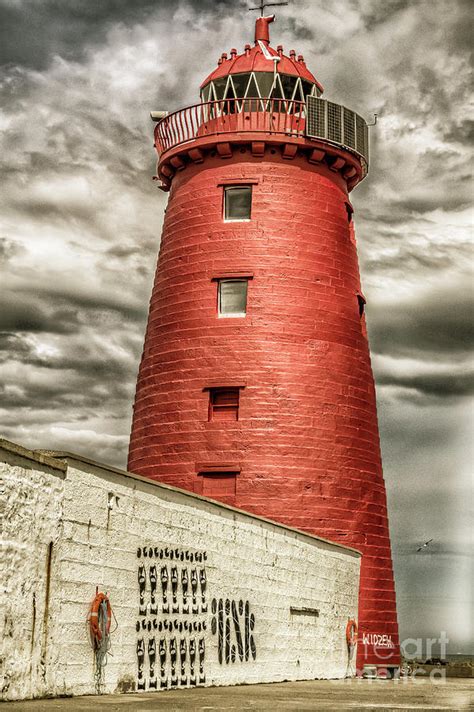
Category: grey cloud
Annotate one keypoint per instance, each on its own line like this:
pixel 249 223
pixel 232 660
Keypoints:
pixel 298 30
pixel 460 131
pixel 8 248
pixel 374 13
pixel 34 32
pixel 440 385
pixel 22 315
pixel 61 311
pixel 440 321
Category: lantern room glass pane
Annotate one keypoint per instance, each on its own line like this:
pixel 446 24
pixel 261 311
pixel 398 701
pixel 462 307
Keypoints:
pixel 265 83
pixel 288 84
pixel 240 84
pixel 219 86
pixel 232 297
pixel 237 203
pixel 252 90
pixel 277 93
pixel 307 88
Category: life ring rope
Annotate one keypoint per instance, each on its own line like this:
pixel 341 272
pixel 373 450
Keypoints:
pixel 351 632
pixel 99 620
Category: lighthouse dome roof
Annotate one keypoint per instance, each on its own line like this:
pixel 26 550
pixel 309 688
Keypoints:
pixel 273 72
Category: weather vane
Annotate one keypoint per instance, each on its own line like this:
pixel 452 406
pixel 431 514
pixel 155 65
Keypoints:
pixel 264 4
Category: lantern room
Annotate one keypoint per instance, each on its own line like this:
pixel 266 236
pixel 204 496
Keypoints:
pixel 261 72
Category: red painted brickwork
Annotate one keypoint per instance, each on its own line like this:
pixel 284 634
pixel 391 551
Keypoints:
pixel 306 438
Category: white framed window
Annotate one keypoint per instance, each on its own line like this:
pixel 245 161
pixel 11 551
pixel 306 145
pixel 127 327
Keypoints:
pixel 232 297
pixel 237 203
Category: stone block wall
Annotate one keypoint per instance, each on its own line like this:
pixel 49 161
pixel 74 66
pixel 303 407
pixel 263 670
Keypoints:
pixel 203 594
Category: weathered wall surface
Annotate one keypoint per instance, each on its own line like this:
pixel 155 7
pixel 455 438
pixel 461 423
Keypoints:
pixel 202 594
pixel 31 512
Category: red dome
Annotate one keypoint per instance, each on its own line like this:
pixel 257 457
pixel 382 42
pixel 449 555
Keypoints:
pixel 262 58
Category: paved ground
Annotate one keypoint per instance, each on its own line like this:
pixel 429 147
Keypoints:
pixel 316 695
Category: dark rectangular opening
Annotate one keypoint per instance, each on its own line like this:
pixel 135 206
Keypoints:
pixel 224 403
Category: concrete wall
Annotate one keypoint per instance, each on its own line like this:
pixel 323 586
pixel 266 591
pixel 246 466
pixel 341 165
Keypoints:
pixel 72 525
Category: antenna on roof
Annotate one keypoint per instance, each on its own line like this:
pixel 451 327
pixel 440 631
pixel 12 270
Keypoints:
pixel 264 4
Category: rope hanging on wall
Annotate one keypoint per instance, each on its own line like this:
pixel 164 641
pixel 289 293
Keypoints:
pixel 99 620
pixel 351 640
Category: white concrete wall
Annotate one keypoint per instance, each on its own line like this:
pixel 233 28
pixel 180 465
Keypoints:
pixel 271 567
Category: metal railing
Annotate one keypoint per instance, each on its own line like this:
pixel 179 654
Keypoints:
pixel 337 124
pixel 230 115
pixel 316 118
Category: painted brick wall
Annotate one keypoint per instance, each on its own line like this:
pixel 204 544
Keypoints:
pixel 31 509
pixel 248 560
pixel 307 438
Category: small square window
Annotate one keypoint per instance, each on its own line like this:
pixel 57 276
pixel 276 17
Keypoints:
pixel 237 203
pixel 224 403
pixel 232 297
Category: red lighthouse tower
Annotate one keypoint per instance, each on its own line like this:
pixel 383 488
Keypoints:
pixel 255 385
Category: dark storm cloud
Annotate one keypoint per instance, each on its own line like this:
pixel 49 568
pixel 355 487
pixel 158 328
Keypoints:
pixel 460 131
pixel 8 248
pixel 14 346
pixel 440 321
pixel 297 29
pixel 33 32
pixel 375 13
pixel 20 314
pixel 439 385
pixel 60 311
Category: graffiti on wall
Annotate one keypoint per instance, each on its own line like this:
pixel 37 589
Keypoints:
pixel 171 623
pixel 234 625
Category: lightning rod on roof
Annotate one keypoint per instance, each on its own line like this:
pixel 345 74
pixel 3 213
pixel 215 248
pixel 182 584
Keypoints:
pixel 264 4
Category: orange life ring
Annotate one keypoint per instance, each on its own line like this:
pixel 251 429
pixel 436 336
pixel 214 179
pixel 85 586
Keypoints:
pixel 351 632
pixel 96 629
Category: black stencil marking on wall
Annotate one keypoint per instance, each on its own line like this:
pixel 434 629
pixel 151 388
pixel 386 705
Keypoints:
pixel 203 582
pixel 173 652
pixel 192 661
pixel 142 588
pixel 141 663
pixel 184 588
pixel 164 588
pixel 202 653
pixel 171 602
pixel 153 582
pixel 152 684
pixel 162 651
pixel 234 625
pixel 220 629
pixel 182 660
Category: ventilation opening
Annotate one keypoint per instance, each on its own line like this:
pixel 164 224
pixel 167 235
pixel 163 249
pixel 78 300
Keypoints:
pixel 224 403
pixel 362 302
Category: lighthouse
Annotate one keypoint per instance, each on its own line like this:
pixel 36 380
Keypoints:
pixel 255 386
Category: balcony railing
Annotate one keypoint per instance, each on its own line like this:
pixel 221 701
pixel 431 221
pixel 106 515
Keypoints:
pixel 228 116
pixel 316 119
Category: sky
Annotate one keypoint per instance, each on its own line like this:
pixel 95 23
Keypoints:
pixel 80 224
